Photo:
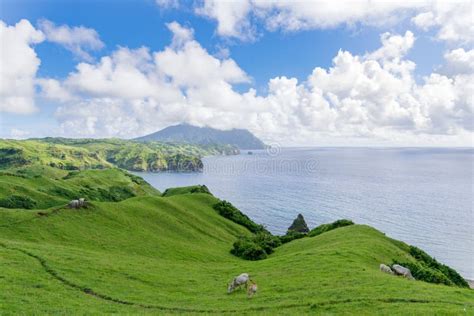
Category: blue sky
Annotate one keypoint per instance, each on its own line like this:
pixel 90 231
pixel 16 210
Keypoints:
pixel 269 53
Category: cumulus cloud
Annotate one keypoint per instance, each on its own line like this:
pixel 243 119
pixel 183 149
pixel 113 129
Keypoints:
pixel 452 18
pixel 231 17
pixel 459 61
pixel 18 66
pixel 79 40
pixel 181 34
pixel 239 19
pixel 371 97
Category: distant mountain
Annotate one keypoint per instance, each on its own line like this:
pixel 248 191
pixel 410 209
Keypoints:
pixel 185 133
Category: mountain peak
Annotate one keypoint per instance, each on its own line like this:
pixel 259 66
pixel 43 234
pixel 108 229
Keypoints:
pixel 187 133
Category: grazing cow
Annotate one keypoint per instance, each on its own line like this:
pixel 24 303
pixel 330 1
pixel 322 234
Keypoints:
pixel 238 281
pixel 74 204
pixel 400 270
pixel 251 289
pixel 77 203
pixel 385 268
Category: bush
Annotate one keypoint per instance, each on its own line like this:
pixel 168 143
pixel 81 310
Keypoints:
pixel 424 273
pixel 200 189
pixel 267 241
pixel 18 201
pixel 327 227
pixel 431 263
pixel 229 211
pixel 247 248
pixel 113 194
pixel 65 193
pixel 118 193
pixel 291 235
pixel 256 247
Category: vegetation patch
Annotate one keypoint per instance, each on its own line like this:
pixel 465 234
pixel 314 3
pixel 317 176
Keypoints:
pixel 428 269
pixel 291 235
pixel 256 247
pixel 18 201
pixel 229 211
pixel 327 227
pixel 186 190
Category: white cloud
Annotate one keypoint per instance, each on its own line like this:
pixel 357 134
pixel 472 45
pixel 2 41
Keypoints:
pixel 168 4
pixel 18 66
pixel 459 61
pixel 394 46
pixel 239 19
pixel 79 40
pixel 231 17
pixel 369 98
pixel 181 34
pixel 452 18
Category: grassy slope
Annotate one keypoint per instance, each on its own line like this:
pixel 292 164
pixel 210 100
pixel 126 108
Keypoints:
pixel 54 187
pixel 171 254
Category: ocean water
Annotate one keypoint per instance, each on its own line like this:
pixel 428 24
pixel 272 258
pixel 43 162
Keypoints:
pixel 421 196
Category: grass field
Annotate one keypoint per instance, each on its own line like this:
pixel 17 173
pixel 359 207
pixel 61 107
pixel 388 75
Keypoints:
pixel 161 255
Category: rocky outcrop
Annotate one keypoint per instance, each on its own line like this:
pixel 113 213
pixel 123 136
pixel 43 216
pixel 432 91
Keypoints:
pixel 299 225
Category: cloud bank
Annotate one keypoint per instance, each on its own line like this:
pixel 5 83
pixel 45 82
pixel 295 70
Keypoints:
pixel 372 97
pixel 241 19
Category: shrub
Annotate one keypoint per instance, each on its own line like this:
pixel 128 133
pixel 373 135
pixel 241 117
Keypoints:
pixel 119 193
pixel 60 191
pixel 247 248
pixel 18 201
pixel 113 194
pixel 430 262
pixel 200 189
pixel 291 235
pixel 424 273
pixel 256 247
pixel 229 211
pixel 267 241
pixel 327 227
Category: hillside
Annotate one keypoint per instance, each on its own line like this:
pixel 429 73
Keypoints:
pixel 76 154
pixel 164 254
pixel 189 134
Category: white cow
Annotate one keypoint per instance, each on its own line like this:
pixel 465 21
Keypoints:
pixel 238 281
pixel 74 204
pixel 385 268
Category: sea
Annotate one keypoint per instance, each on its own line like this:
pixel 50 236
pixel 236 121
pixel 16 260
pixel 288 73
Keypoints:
pixel 422 196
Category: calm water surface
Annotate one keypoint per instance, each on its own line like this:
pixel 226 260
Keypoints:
pixel 421 196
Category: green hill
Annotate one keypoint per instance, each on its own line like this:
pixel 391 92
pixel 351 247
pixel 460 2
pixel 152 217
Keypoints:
pixel 78 154
pixel 153 254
